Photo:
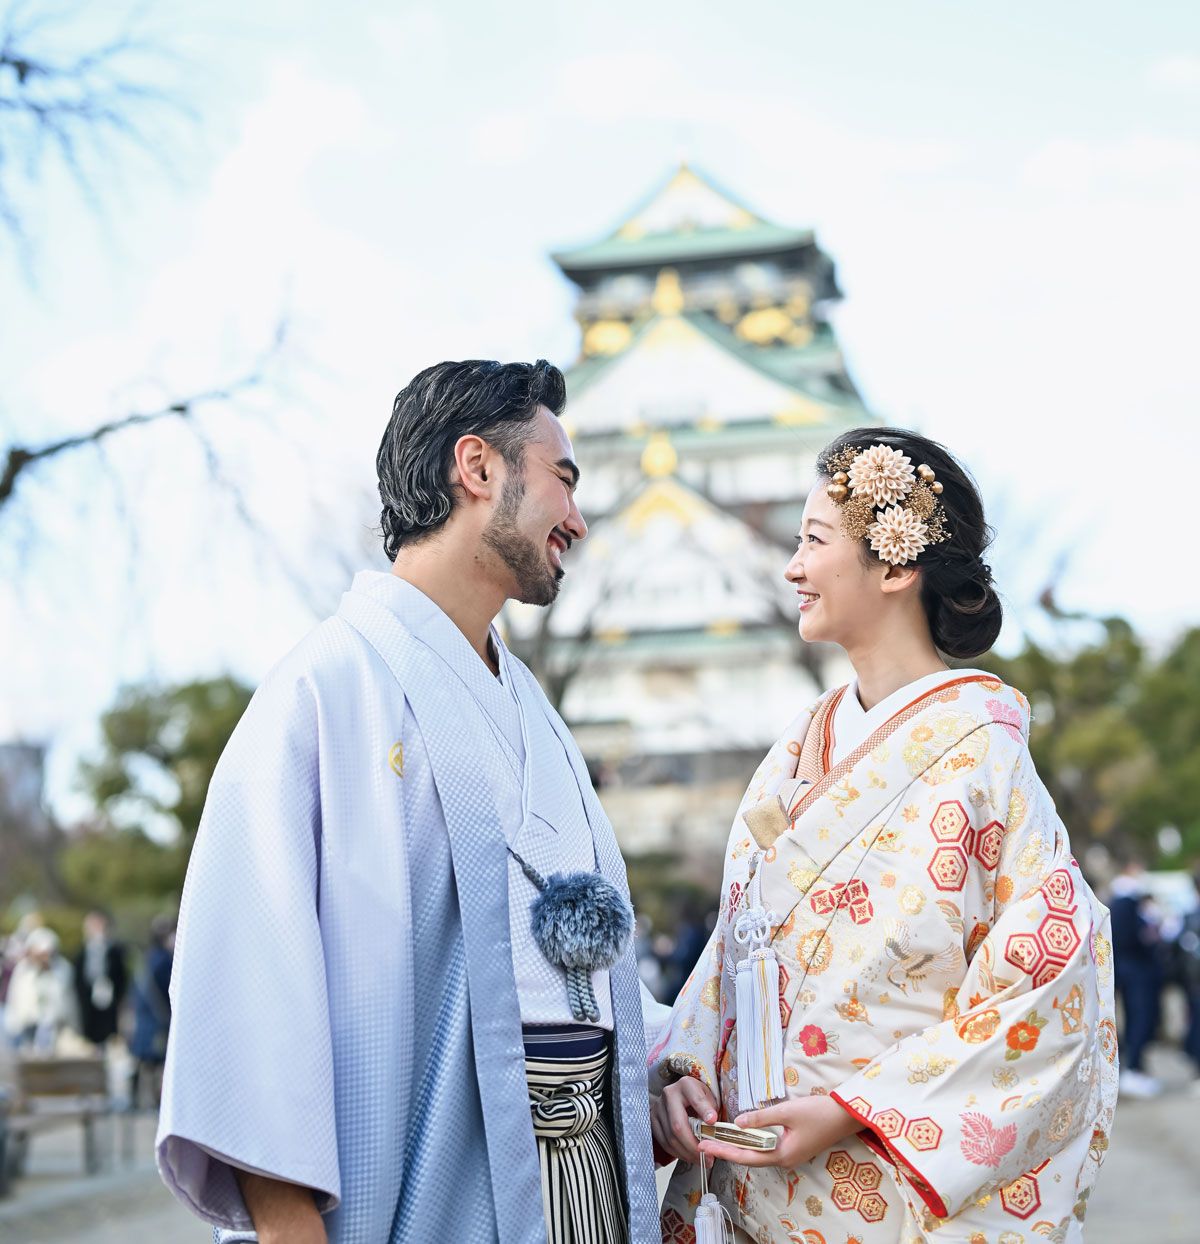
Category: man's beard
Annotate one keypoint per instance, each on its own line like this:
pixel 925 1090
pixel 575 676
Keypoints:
pixel 537 584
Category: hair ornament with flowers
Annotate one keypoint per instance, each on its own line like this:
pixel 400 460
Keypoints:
pixel 887 502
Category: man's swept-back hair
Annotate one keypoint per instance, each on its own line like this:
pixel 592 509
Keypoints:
pixel 478 397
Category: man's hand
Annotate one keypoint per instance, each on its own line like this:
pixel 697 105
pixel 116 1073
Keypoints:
pixel 283 1213
pixel 810 1126
pixel 671 1115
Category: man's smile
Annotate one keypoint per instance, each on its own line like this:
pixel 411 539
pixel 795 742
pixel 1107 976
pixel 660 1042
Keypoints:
pixel 558 543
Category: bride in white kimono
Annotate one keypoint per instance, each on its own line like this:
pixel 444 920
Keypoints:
pixel 943 1065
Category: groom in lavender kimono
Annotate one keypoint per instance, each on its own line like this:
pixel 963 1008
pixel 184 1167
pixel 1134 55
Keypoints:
pixel 368 1044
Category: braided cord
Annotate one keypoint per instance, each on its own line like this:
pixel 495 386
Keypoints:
pixel 581 995
pixel 529 871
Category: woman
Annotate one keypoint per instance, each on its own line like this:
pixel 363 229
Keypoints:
pixel 948 1057
pixel 40 1002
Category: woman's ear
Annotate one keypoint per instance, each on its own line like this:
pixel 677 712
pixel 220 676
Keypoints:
pixel 900 578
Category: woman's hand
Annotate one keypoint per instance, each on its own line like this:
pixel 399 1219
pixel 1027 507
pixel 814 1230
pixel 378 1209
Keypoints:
pixel 810 1126
pixel 671 1116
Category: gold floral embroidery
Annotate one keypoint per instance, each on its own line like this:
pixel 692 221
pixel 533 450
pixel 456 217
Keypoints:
pixel 1016 811
pixel 1030 859
pixel 975 1029
pixel 944 748
pixel 1102 949
pixel 1060 1124
pixel 815 951
pixel 802 878
pixel 852 1010
pixel 921 1067
pixel 710 995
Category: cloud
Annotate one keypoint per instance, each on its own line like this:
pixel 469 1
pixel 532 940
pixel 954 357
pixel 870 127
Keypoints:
pixel 1177 73
pixel 645 88
pixel 504 136
pixel 1140 163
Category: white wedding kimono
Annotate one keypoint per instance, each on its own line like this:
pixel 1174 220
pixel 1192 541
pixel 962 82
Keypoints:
pixel 945 973
pixel 345 1011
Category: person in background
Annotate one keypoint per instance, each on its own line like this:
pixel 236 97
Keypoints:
pixel 690 939
pixel 40 1000
pixel 100 979
pixel 152 1010
pixel 14 949
pixel 1137 962
pixel 1189 972
pixel 649 968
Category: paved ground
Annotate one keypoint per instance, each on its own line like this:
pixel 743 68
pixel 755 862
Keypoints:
pixel 1149 1190
pixel 55 1203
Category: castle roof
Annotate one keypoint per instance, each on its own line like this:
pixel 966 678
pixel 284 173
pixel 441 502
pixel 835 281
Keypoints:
pixel 688 218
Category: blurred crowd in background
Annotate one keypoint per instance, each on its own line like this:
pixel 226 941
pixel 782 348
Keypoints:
pixel 100 996
pixel 104 999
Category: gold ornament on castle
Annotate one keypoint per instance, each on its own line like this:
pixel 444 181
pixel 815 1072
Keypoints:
pixel 887 502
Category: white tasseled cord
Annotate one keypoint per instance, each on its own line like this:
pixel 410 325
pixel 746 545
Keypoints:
pixel 713 1223
pixel 759 1030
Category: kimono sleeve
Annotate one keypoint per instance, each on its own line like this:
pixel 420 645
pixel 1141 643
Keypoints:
pixel 1026 1051
pixel 249 1074
pixel 688 1044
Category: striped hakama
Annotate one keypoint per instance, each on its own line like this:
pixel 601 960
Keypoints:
pixel 568 1069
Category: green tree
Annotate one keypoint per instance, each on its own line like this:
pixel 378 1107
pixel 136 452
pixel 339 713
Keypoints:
pixel 1116 736
pixel 1167 712
pixel 160 747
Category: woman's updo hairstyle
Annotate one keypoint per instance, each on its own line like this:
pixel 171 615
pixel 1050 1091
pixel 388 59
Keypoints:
pixel 960 600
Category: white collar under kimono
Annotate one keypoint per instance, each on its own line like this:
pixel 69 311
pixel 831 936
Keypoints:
pixel 852 723
pixel 539 801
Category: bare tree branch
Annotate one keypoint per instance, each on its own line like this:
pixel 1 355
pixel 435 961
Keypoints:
pixel 78 106
pixel 20 458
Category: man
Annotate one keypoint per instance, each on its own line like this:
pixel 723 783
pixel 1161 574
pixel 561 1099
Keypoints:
pixel 363 1026
pixel 100 979
pixel 1137 950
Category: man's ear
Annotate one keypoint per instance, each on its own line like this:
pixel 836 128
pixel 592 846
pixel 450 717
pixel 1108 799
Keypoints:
pixel 474 467
pixel 900 578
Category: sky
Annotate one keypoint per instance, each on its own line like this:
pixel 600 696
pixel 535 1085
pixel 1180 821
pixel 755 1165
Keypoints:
pixel 1010 195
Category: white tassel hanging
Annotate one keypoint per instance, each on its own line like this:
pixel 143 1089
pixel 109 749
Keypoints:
pixel 759 1030
pixel 710 1221
pixel 711 1215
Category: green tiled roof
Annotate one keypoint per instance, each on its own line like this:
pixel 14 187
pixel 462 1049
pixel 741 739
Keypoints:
pixel 777 364
pixel 742 436
pixel 617 252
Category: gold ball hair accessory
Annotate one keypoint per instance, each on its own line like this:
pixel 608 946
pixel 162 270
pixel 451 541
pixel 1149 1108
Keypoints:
pixel 887 502
pixel 837 489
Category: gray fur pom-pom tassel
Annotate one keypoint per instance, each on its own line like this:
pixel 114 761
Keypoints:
pixel 582 920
